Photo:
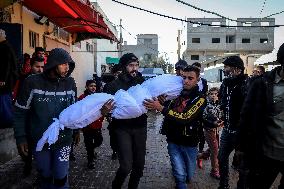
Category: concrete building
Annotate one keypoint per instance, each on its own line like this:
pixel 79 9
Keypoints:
pixel 146 48
pixel 206 43
pixel 106 51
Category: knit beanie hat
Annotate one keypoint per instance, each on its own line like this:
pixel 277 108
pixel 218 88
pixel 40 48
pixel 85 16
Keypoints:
pixel 234 61
pixel 126 59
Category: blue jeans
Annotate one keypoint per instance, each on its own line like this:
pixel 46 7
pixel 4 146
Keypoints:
pixel 183 160
pixel 227 145
pixel 53 166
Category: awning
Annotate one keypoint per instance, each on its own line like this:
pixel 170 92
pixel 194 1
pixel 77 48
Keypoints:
pixel 75 16
pixel 110 60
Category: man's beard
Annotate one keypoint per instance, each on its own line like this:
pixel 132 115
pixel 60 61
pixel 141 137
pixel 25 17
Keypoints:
pixel 133 73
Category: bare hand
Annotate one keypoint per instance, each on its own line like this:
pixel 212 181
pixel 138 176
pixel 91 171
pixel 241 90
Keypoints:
pixel 23 149
pixel 162 98
pixel 153 104
pixel 107 107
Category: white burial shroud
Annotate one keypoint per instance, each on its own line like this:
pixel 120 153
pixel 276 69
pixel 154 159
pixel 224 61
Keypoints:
pixel 128 104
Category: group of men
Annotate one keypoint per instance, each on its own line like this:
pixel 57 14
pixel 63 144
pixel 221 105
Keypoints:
pixel 253 122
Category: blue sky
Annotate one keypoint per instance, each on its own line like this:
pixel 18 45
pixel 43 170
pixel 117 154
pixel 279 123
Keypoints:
pixel 139 22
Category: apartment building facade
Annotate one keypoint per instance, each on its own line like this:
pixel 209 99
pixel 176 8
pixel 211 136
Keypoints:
pixel 249 40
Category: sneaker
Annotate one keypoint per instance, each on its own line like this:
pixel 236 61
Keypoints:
pixel 199 163
pixel 114 156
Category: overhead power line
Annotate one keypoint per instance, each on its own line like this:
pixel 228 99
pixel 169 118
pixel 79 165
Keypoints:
pixel 217 14
pixel 263 5
pixel 207 11
pixel 193 22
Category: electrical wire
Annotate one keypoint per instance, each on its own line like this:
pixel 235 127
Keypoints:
pixel 263 5
pixel 193 22
pixel 203 10
pixel 227 18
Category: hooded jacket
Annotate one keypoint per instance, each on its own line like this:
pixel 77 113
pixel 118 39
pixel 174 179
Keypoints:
pixel 42 99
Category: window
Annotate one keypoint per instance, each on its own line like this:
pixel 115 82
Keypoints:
pixel 196 25
pixel 89 47
pixel 263 40
pixel 33 39
pixel 230 39
pixel 247 23
pixel 264 23
pixel 147 41
pixel 245 40
pixel 195 40
pixel 215 40
pixel 217 24
pixel 194 57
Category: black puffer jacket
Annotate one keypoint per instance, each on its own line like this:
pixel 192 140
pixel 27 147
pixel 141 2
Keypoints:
pixel 125 81
pixel 232 94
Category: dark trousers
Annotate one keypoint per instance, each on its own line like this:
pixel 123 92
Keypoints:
pixel 201 137
pixel 6 112
pixel 227 145
pixel 28 160
pixel 267 172
pixel 92 138
pixel 131 146
pixel 112 140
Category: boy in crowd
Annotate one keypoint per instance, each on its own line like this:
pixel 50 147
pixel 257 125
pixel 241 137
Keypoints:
pixel 92 133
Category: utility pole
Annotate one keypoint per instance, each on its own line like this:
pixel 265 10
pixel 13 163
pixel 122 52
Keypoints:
pixel 179 45
pixel 120 39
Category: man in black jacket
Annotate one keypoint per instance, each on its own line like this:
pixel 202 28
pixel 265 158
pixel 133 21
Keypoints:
pixel 42 98
pixel 232 94
pixel 182 120
pixel 130 134
pixel 8 76
pixel 261 138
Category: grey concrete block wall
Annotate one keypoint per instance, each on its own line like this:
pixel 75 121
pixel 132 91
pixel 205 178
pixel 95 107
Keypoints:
pixel 8 148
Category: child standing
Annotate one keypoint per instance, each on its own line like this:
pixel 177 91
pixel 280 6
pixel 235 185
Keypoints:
pixel 212 116
pixel 92 133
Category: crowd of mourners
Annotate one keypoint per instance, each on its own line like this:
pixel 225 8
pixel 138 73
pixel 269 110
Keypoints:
pixel 245 116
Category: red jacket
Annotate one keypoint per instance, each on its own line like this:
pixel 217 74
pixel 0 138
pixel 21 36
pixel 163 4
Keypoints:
pixel 96 124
